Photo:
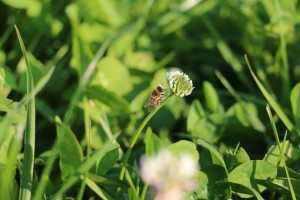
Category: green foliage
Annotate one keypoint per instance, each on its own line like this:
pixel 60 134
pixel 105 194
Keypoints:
pixel 252 175
pixel 184 147
pixel 94 64
pixel 234 159
pixel 70 152
pixel 218 185
pixel 29 139
pixel 295 102
pixel 152 142
pixel 206 125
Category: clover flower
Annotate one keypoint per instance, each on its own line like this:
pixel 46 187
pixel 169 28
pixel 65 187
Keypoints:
pixel 170 175
pixel 180 83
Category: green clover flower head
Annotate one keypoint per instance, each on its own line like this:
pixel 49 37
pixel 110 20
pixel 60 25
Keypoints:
pixel 180 83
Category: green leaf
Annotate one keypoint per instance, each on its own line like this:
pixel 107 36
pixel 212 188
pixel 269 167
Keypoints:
pixel 106 162
pixel 2 78
pixel 104 11
pixel 101 180
pixel 123 44
pixel 113 101
pixel 207 126
pixel 95 32
pixel 196 111
pixel 281 185
pixel 5 104
pixel 152 142
pixel 295 103
pixel 253 175
pixel 234 160
pixel 184 146
pixel 246 114
pixel 20 4
pixel 281 172
pixel 10 79
pixel 290 153
pixel 218 186
pixel 113 75
pixel 202 189
pixel 86 166
pixel 211 97
pixel 213 151
pixel 99 191
pixel 141 60
pixel 9 151
pixel 70 150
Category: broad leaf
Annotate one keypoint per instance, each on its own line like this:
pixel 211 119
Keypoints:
pixel 253 175
pixel 281 185
pixel 184 146
pixel 211 97
pixel 218 186
pixel 106 162
pixel 207 126
pixel 152 142
pixel 213 151
pixel 70 150
pixel 202 189
pixel 234 160
pixel 113 76
pixel 273 155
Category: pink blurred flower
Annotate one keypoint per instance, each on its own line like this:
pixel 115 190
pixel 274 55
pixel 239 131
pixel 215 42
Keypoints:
pixel 170 175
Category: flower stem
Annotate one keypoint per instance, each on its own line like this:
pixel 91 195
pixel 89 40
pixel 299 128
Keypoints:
pixel 137 135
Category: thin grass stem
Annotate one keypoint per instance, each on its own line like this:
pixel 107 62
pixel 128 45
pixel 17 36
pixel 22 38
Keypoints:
pixel 280 151
pixel 29 142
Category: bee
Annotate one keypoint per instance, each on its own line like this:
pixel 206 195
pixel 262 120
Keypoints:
pixel 156 97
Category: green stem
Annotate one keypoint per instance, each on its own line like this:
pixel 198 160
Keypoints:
pixel 144 191
pixel 137 135
pixel 41 187
pixel 281 152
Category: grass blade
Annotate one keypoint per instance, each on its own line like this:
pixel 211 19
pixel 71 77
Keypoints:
pixel 93 186
pixel 41 187
pixel 29 142
pixel 281 152
pixel 270 99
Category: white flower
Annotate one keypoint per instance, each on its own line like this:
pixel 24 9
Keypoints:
pixel 180 83
pixel 170 175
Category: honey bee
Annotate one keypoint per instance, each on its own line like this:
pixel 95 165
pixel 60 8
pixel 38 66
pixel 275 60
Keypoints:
pixel 156 97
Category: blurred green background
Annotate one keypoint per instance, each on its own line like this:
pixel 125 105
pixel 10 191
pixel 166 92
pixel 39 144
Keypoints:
pixel 145 39
pixel 117 51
